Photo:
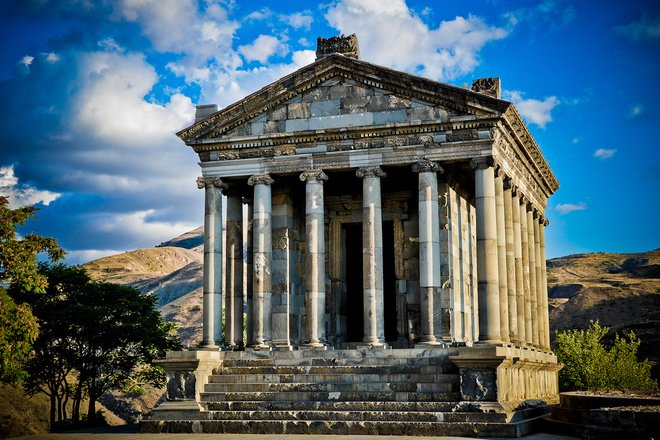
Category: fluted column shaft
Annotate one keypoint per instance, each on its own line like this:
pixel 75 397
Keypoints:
pixel 501 258
pixel 234 272
pixel 429 250
pixel 524 239
pixel 487 270
pixel 518 262
pixel 212 290
pixel 372 256
pixel 263 250
pixel 315 257
pixel 532 274
pixel 510 262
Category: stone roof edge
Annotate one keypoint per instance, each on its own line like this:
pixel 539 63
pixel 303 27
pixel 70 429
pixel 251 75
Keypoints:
pixel 521 133
pixel 277 92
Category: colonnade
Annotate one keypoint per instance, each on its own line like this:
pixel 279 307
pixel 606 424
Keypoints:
pixel 512 285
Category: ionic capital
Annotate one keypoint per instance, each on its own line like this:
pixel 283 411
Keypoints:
pixel 499 172
pixel 482 162
pixel 211 182
pixel 426 166
pixel 263 179
pixel 508 183
pixel 370 172
pixel 543 221
pixel 523 199
pixel 313 175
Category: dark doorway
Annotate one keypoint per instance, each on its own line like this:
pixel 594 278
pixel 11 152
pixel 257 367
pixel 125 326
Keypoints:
pixel 354 283
pixel 354 302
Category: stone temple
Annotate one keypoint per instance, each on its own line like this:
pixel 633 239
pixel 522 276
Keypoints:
pixel 384 237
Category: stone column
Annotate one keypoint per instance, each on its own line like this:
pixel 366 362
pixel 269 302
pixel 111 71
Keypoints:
pixel 429 250
pixel 372 256
pixel 315 258
pixel 487 271
pixel 544 276
pixel 263 250
pixel 501 257
pixel 234 272
pixel 532 274
pixel 510 262
pixel 212 296
pixel 249 275
pixel 539 281
pixel 518 261
pixel 524 241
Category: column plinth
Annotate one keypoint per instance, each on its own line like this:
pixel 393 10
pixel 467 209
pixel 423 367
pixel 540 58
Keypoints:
pixel 372 256
pixel 487 270
pixel 261 263
pixel 212 290
pixel 315 258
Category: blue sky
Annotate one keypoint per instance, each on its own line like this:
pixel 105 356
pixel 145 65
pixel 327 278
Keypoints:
pixel 91 93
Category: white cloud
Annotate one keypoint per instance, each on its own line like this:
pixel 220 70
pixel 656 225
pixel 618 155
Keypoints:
pixel 646 28
pixel 394 36
pixel 547 16
pixel 141 223
pixel 604 153
pixel 532 110
pixel 86 255
pixel 565 208
pixel 22 195
pixel 110 101
pixel 575 140
pixel 635 111
pixel 262 48
pixel 298 20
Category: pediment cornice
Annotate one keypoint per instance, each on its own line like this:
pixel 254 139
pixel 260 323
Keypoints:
pixel 462 101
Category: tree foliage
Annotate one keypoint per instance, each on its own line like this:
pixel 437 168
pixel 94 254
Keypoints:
pixel 95 337
pixel 591 366
pixel 18 265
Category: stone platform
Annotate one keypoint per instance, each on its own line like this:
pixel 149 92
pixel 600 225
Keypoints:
pixel 466 391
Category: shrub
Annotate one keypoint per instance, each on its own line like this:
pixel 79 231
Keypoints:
pixel 591 366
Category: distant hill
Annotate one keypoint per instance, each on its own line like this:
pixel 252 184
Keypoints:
pixel 621 291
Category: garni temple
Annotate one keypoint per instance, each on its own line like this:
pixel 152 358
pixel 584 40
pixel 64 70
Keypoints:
pixel 374 260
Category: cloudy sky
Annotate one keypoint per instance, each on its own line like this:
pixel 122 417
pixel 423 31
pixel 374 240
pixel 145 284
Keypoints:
pixel 91 92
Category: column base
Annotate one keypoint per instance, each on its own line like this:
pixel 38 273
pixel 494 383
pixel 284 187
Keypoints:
pixel 314 346
pixel 210 346
pixel 372 345
pixel 430 344
pixel 282 347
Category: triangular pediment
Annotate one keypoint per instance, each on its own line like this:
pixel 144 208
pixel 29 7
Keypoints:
pixel 338 92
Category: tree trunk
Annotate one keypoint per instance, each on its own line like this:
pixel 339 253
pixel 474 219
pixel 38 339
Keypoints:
pixel 91 412
pixel 59 407
pixel 77 397
pixel 53 403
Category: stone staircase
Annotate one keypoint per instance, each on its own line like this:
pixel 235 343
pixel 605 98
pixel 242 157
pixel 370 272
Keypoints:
pixel 398 392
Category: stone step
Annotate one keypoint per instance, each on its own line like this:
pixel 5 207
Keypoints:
pixel 331 387
pixel 324 378
pixel 390 396
pixel 248 362
pixel 375 416
pixel 332 405
pixel 334 369
pixel 338 361
pixel 338 427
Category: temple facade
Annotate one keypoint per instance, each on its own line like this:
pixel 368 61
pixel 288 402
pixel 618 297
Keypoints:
pixel 371 211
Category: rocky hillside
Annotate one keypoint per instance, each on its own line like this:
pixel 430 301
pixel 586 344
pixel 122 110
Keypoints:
pixel 621 291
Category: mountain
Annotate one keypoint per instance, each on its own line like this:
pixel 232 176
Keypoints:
pixel 621 291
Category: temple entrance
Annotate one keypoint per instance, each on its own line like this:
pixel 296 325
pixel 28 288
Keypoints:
pixel 354 283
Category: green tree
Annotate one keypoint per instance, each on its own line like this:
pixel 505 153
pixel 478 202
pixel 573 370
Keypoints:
pixel 590 366
pixel 18 265
pixel 103 335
